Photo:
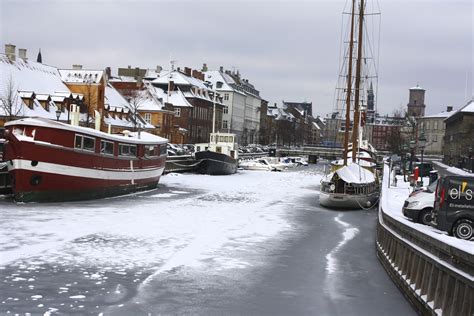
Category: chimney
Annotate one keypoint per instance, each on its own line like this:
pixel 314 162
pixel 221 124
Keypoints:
pixel 187 71
pixel 22 53
pixel 108 72
pixel 159 69
pixel 171 86
pixel 221 69
pixel 10 51
pixel 77 67
pixel 129 67
pixel 449 108
pixel 204 68
pixel 195 74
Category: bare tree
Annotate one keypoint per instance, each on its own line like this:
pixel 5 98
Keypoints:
pixel 10 102
pixel 136 98
pixel 90 95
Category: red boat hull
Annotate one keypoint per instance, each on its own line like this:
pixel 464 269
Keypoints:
pixel 44 172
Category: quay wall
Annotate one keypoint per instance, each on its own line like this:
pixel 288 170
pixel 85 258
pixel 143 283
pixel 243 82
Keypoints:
pixel 437 278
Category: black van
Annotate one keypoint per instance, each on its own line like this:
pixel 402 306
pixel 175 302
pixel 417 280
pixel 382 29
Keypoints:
pixel 454 206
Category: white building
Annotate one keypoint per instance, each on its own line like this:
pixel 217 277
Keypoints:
pixel 242 116
pixel 434 129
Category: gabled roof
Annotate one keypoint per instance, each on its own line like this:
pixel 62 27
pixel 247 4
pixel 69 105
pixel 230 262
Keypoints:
pixel 214 76
pixel 179 79
pixel 113 98
pixel 176 98
pixel 30 76
pixel 467 109
pixel 81 75
pixel 443 114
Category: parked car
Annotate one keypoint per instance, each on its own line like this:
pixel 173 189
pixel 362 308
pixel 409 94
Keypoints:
pixel 177 149
pixel 420 204
pixel 454 206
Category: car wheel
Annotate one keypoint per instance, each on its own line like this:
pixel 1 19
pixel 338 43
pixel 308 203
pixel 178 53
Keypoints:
pixel 425 216
pixel 463 229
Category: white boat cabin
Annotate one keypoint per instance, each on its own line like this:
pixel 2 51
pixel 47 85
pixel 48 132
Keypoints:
pixel 223 143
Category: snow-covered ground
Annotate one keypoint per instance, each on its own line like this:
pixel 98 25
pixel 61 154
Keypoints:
pixel 392 201
pixel 68 257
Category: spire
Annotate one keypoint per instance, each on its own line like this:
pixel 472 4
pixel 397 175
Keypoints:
pixel 39 59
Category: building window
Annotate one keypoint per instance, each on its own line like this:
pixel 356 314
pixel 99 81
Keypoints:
pixel 435 125
pixel 226 96
pixel 226 110
pixel 148 117
pixel 435 138
pixel 224 124
pixel 177 112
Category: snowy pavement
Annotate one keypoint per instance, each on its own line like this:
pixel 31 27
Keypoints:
pixel 196 245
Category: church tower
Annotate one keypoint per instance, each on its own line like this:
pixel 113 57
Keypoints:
pixel 39 59
pixel 370 104
pixel 416 103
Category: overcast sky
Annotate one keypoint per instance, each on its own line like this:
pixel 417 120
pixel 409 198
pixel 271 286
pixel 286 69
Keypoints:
pixel 288 49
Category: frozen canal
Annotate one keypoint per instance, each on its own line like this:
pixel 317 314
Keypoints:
pixel 252 243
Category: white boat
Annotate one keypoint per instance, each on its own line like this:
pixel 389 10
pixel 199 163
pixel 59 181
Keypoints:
pixel 266 164
pixel 353 181
pixel 350 186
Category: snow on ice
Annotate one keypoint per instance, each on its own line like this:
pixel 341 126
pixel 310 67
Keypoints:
pixel 115 248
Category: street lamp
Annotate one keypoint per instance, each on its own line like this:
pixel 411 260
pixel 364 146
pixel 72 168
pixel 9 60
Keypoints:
pixel 58 113
pixel 422 144
pixel 412 145
pixel 404 152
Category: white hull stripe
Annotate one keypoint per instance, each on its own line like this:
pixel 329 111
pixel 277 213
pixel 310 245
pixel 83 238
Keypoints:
pixel 86 172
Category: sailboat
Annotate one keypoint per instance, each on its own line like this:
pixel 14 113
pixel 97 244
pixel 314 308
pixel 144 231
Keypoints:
pixel 220 155
pixel 352 181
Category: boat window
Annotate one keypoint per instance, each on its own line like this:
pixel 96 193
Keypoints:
pixel 106 147
pixel 127 150
pixel 198 148
pixel 78 142
pixel 163 149
pixel 88 143
pixel 151 150
pixel 84 142
pixel 218 149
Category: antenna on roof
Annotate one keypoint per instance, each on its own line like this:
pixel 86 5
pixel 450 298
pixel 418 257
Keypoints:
pixel 172 62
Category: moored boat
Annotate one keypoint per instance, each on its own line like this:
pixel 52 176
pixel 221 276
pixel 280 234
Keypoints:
pixel 52 161
pixel 219 156
pixel 353 181
pixel 350 186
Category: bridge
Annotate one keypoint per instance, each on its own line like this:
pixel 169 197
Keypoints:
pixel 311 151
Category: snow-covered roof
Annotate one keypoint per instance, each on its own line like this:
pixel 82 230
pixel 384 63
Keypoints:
pixel 114 99
pixel 122 79
pixel 417 88
pixel 81 75
pixel 131 138
pixel 468 108
pixel 176 98
pixel 30 76
pixel 316 125
pixel 179 79
pixel 353 173
pixel 214 76
pixel 443 114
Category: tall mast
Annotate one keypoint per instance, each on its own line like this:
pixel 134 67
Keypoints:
pixel 355 129
pixel 349 87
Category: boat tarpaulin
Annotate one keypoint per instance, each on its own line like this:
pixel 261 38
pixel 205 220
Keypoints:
pixel 353 173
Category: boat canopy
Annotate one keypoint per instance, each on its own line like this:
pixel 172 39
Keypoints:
pixel 355 174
